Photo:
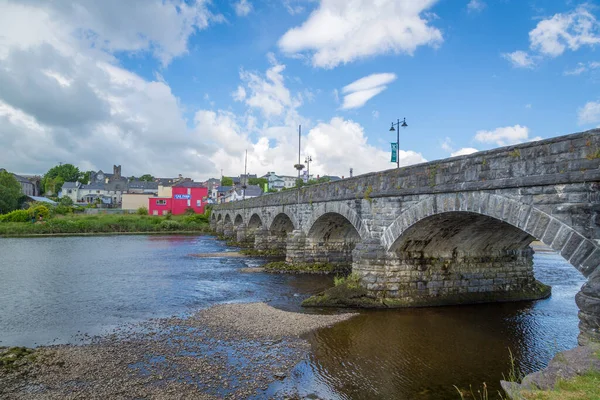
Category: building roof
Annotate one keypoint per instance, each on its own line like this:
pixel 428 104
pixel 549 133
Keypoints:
pixel 251 191
pixel 189 184
pixel 224 189
pixel 94 186
pixel 42 199
pixel 21 179
pixel 143 185
pixel 70 185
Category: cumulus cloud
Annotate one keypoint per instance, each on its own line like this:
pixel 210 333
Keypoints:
pixel 520 59
pixel 63 99
pixel 339 32
pixel 362 90
pixel 505 136
pixel 475 5
pixel 589 113
pixel 563 31
pixel 572 30
pixel 464 151
pixel 242 8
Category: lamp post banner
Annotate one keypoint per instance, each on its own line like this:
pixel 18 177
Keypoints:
pixel 394 152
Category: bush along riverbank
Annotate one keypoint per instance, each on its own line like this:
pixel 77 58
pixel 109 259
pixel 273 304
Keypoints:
pixel 282 267
pixel 105 224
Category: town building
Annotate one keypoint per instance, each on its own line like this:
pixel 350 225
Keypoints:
pixel 184 196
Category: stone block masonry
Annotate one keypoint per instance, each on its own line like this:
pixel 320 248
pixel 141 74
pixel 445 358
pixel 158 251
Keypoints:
pixel 448 231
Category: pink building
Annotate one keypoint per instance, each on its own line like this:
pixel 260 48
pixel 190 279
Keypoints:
pixel 184 195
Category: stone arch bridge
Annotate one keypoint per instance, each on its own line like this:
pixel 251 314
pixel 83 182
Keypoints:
pixel 447 231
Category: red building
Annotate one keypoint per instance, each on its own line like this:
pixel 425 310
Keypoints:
pixel 184 195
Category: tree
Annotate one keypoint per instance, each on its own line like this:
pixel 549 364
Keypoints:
pixel 85 179
pixel 10 192
pixel 226 181
pixel 261 182
pixel 55 177
pixel 147 178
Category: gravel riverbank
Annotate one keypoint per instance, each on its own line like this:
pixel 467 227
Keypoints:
pixel 228 351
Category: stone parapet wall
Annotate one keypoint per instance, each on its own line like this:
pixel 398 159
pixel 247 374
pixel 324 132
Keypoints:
pixel 560 160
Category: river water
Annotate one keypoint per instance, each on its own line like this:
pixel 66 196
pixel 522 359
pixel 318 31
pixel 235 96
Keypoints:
pixel 53 290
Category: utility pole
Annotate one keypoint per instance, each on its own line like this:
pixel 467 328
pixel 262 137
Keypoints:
pixel 245 183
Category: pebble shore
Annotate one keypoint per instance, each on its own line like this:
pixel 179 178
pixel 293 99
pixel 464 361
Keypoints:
pixel 231 351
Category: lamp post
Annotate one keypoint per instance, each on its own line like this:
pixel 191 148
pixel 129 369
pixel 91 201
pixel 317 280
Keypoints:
pixel 398 125
pixel 299 166
pixel 308 160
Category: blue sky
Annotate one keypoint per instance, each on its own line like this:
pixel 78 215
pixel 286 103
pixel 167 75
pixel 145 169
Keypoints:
pixel 173 87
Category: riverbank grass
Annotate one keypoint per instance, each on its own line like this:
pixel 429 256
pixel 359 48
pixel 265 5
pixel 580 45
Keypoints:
pixel 107 224
pixel 586 386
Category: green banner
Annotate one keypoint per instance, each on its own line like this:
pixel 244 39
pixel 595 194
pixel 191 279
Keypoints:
pixel 394 152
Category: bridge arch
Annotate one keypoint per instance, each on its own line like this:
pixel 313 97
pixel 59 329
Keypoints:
pixel 219 217
pixel 227 219
pixel 341 209
pixel 255 222
pixel 239 220
pixel 501 224
pixel 282 223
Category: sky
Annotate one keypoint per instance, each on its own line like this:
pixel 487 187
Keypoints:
pixel 173 87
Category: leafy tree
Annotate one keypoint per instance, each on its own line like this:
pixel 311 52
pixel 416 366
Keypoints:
pixel 226 181
pixel 300 183
pixel 85 179
pixel 55 177
pixel 10 192
pixel 147 178
pixel 261 182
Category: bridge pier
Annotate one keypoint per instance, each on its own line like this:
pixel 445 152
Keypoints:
pixel 588 301
pixel 219 227
pixel 296 247
pixel 415 279
pixel 244 235
pixel 228 229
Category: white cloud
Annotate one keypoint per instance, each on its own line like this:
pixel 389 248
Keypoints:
pixel 572 30
pixel 340 32
pixel 239 94
pixel 505 136
pixel 528 106
pixel 242 8
pixel 463 152
pixel 553 36
pixel 582 67
pixel 590 113
pixel 375 114
pixel 475 6
pixel 362 90
pixel 519 59
pixel 64 100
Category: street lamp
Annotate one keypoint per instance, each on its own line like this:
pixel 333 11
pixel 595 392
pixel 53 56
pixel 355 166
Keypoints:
pixel 398 125
pixel 308 160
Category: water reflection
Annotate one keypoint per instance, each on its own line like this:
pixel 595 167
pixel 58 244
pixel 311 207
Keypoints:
pixel 422 353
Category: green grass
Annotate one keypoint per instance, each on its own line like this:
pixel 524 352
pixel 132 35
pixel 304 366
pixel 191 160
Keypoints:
pixel 77 224
pixel 581 387
pixel 304 268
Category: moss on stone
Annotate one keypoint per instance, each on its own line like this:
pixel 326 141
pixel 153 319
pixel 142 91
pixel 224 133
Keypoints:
pixel 305 268
pixel 345 295
pixel 266 253
pixel 13 357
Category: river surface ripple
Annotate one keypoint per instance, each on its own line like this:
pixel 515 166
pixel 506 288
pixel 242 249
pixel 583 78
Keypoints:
pixel 52 290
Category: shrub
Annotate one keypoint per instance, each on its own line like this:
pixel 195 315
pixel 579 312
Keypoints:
pixel 189 211
pixel 39 210
pixel 142 211
pixel 65 201
pixel 16 216
pixel 62 209
pixel 196 218
pixel 169 225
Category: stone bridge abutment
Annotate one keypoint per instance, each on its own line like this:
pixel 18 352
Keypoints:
pixel 446 232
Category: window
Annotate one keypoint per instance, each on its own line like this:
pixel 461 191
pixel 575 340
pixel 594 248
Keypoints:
pixel 189 192
pixel 155 212
pixel 198 203
pixel 189 203
pixel 161 202
pixel 69 191
pixel 165 212
pixel 97 191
